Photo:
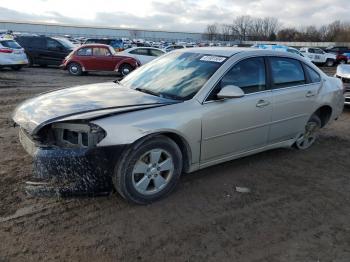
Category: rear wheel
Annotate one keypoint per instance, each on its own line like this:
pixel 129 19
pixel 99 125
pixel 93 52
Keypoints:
pixel 330 62
pixel 75 69
pixel 16 68
pixel 342 62
pixel 308 138
pixel 125 69
pixel 149 170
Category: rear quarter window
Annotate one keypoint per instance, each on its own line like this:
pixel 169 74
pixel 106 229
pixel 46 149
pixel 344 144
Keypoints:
pixel 10 44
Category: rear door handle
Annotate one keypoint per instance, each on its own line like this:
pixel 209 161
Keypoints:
pixel 310 94
pixel 262 103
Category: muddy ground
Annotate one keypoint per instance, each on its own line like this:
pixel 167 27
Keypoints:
pixel 298 208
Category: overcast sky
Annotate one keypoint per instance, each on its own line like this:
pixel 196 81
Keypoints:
pixel 177 15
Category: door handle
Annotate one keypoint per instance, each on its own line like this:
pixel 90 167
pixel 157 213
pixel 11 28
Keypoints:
pixel 262 103
pixel 310 94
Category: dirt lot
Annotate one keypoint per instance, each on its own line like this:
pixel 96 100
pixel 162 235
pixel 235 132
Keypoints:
pixel 298 208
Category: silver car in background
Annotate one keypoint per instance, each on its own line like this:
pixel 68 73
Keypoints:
pixel 187 110
pixel 12 54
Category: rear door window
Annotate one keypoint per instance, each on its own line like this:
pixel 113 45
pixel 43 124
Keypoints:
pixel 101 51
pixel 313 75
pixel 53 44
pixel 286 72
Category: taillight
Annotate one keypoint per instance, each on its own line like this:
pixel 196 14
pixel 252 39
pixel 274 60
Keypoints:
pixel 6 50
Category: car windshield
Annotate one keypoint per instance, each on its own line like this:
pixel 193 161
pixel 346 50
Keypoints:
pixel 176 75
pixel 10 44
pixel 66 43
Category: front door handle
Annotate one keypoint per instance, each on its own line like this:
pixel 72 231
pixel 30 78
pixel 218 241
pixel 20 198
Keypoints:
pixel 262 103
pixel 310 94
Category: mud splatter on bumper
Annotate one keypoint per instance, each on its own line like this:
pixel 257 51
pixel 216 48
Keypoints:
pixel 78 171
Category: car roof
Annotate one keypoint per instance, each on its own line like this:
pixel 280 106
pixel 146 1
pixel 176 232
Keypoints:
pixel 229 51
pixel 94 45
pixel 139 47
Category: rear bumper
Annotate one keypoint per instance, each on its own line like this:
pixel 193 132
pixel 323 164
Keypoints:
pixel 347 98
pixel 71 171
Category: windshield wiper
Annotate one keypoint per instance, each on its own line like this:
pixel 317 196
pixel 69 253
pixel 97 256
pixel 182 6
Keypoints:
pixel 147 91
pixel 171 96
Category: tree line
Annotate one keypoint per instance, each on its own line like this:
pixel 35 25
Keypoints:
pixel 270 29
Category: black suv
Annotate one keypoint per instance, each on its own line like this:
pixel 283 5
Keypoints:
pixel 44 50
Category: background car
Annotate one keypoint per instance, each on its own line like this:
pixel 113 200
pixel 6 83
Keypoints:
pixel 116 43
pixel 170 48
pixel 281 48
pixel 45 50
pixel 143 54
pixel 318 56
pixel 98 57
pixel 12 54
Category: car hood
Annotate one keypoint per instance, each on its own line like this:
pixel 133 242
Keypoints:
pixel 82 102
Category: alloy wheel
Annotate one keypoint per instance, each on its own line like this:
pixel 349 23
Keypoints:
pixel 152 171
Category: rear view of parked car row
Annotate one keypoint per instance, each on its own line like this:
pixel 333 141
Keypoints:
pixel 44 51
pixel 105 55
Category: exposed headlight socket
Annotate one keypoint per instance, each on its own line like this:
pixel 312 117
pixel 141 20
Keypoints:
pixel 78 135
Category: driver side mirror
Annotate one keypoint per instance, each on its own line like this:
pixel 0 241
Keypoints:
pixel 230 91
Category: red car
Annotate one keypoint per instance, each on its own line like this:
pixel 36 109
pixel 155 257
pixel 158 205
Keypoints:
pixel 98 57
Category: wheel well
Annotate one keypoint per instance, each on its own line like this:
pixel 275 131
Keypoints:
pixel 184 147
pixel 180 141
pixel 125 63
pixel 324 113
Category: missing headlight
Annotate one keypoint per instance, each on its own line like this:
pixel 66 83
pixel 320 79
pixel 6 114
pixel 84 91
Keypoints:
pixel 77 135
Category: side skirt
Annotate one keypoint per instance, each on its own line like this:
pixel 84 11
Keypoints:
pixel 283 144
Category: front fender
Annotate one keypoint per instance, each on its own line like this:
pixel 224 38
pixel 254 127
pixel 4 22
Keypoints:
pixel 182 120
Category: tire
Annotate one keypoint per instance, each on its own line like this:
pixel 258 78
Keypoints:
pixel 16 68
pixel 138 180
pixel 75 69
pixel 308 138
pixel 330 62
pixel 30 61
pixel 342 62
pixel 125 69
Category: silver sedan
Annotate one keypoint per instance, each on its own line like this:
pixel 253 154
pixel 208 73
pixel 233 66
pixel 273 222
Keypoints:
pixel 182 112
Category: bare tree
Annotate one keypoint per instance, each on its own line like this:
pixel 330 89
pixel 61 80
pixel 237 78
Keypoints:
pixel 134 34
pixel 212 32
pixel 242 25
pixel 226 32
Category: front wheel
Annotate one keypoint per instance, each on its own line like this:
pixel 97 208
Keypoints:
pixel 149 170
pixel 308 138
pixel 75 69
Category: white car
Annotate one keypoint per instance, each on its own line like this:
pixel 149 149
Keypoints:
pixel 143 54
pixel 170 48
pixel 281 48
pixel 12 54
pixel 318 56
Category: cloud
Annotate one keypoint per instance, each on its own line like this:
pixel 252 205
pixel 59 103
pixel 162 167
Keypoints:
pixel 192 15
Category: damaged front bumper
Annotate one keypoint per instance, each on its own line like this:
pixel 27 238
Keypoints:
pixel 70 171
